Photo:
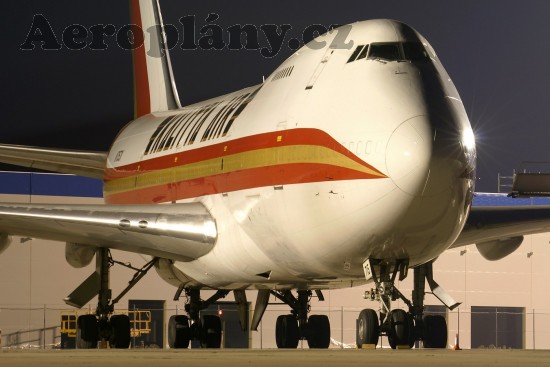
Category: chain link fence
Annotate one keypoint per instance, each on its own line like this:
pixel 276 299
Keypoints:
pixel 478 327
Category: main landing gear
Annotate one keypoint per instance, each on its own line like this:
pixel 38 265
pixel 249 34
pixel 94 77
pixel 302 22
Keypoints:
pixel 104 326
pixel 297 325
pixel 402 328
pixel 289 330
pixel 206 329
pixel 292 328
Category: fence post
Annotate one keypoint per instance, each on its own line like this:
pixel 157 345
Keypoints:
pixel 44 329
pixel 342 329
pixel 533 328
pixel 134 318
pixel 458 326
pixel 496 328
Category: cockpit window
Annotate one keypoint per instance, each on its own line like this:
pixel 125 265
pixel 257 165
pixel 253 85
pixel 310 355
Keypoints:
pixel 385 51
pixel 415 51
pixel 356 52
pixel 410 51
pixel 363 53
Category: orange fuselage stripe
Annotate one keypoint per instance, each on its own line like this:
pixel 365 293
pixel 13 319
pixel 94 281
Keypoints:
pixel 271 159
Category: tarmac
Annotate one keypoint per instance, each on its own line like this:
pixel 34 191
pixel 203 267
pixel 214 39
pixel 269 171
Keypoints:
pixel 275 358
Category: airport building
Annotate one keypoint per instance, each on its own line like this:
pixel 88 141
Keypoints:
pixel 504 303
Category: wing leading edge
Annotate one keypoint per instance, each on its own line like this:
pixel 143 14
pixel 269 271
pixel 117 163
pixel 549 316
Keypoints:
pixel 498 230
pixel 82 163
pixel 180 232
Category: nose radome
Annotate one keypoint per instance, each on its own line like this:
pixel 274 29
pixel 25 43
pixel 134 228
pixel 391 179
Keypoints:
pixel 408 155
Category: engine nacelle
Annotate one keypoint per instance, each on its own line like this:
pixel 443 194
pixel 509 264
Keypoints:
pixel 499 249
pixel 79 256
pixel 5 241
pixel 170 274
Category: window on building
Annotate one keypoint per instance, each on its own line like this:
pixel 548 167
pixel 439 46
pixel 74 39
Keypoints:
pixel 499 327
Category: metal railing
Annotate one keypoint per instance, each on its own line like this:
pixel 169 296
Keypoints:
pixel 21 329
pixel 33 338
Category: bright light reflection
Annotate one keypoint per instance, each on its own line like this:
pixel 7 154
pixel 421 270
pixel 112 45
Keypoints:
pixel 468 139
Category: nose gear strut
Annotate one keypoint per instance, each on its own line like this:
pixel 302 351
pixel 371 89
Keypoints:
pixel 402 328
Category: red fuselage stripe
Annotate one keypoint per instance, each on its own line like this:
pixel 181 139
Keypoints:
pixel 249 143
pixel 316 158
pixel 228 182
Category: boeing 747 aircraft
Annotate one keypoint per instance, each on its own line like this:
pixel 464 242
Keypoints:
pixel 345 166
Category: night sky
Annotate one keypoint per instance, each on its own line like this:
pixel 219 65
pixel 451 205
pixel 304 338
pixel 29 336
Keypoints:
pixel 497 53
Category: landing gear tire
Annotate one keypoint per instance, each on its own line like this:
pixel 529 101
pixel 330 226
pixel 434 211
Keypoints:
pixel 401 332
pixel 87 333
pixel 319 332
pixel 286 332
pixel 368 328
pixel 120 332
pixel 435 331
pixel 211 334
pixel 179 332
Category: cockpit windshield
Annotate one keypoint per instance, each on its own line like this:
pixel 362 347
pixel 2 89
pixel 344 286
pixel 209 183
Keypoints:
pixel 415 51
pixel 385 51
pixel 394 51
pixel 391 51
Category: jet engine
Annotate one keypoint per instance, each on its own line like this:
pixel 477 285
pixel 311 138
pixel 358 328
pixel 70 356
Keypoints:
pixel 499 249
pixel 5 241
pixel 79 256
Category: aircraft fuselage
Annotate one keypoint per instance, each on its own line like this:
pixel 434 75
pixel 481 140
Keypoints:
pixel 334 159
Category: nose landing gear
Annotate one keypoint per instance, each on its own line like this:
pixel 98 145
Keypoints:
pixel 402 328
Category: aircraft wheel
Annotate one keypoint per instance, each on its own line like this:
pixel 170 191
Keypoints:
pixel 286 332
pixel 87 333
pixel 120 332
pixel 368 328
pixel 179 332
pixel 319 331
pixel 211 332
pixel 435 331
pixel 401 329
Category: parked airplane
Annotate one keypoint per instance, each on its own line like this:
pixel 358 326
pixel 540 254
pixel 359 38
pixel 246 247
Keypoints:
pixel 344 167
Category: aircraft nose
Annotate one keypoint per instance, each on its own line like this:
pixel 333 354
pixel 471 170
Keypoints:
pixel 408 155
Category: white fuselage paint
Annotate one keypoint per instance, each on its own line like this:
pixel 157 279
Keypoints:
pixel 404 118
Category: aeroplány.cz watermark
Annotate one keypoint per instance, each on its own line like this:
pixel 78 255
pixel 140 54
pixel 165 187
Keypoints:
pixel 211 36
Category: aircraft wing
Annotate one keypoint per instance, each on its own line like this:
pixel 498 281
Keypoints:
pixel 82 163
pixel 498 230
pixel 177 231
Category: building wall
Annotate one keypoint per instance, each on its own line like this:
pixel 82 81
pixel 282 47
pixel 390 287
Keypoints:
pixel 34 278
